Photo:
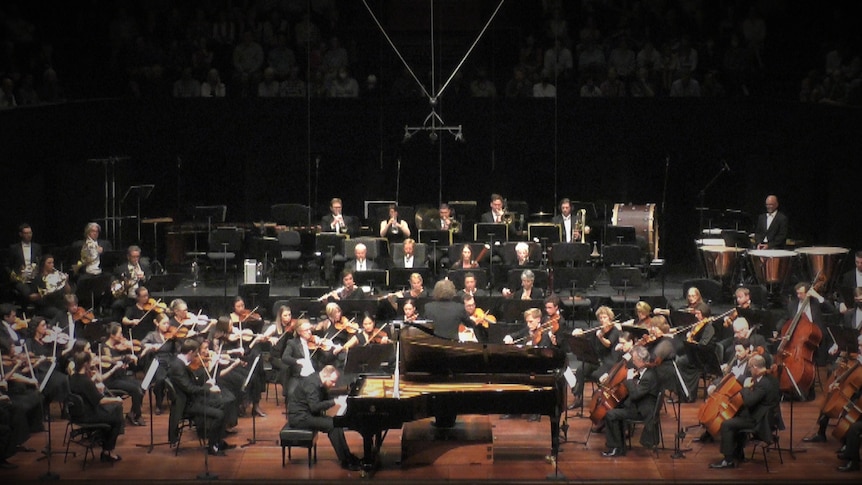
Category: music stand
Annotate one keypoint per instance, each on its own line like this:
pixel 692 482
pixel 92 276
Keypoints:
pixel 211 214
pixel 679 318
pixel 369 359
pixel 513 310
pixel 47 452
pixel 582 347
pixel 373 278
pixel 490 231
pixel 435 237
pixel 313 291
pixel 357 308
pixel 625 254
pixel 147 386
pixel 457 277
pixel 622 278
pixel 552 233
pixel 620 235
pixel 254 292
pixel 141 192
pixel 570 252
pixel 844 337
pixel 312 308
pixel 400 277
pixel 289 214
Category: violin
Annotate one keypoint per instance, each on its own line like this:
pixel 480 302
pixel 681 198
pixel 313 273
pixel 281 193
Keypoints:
pixel 319 343
pixel 176 332
pixel 348 326
pixel 483 318
pixel 84 316
pixel 552 325
pixel 56 335
pixel 133 346
pixel 153 305
pixel 377 336
pixel 248 315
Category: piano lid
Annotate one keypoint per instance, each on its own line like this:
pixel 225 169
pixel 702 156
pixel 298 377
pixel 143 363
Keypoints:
pixel 422 353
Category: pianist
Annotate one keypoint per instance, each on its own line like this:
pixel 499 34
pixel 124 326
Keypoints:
pixel 307 410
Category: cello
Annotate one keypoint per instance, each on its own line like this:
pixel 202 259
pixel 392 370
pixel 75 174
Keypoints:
pixel 611 393
pixel 841 389
pixel 794 358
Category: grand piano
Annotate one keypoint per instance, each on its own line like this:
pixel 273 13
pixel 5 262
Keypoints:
pixel 440 378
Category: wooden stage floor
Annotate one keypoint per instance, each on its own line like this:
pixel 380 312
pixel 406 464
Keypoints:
pixel 519 456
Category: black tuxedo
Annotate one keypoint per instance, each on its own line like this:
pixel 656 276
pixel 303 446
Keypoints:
pixel 759 411
pixel 369 265
pixel 640 403
pixel 351 225
pixel 16 255
pixel 848 279
pixel 558 219
pixel 292 353
pixel 197 400
pixel 306 409
pixel 776 234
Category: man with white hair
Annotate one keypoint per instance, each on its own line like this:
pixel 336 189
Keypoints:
pixel 360 262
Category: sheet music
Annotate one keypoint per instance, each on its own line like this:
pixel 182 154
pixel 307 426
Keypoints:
pixel 151 372
pixel 571 378
pixel 47 375
pixel 341 403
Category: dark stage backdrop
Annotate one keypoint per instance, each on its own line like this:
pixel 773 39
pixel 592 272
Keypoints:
pixel 250 154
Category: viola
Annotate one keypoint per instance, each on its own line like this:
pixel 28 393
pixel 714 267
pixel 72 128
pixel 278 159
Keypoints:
pixel 84 316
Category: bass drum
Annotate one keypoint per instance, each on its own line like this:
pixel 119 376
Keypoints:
pixel 642 218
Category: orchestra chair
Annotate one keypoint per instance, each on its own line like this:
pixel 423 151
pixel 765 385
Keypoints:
pixel 709 289
pixel 224 248
pixel 88 435
pixel 179 416
pixel 290 437
pixel 652 420
pixel 571 281
pixel 776 424
pixel 272 375
pixel 420 253
pixel 623 279
pixel 290 245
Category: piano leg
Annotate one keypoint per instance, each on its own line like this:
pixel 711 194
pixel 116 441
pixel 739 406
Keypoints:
pixel 372 440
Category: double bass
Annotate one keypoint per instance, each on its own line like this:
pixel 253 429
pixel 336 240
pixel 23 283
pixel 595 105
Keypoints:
pixel 794 358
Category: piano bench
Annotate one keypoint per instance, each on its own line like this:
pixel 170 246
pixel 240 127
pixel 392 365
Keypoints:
pixel 289 437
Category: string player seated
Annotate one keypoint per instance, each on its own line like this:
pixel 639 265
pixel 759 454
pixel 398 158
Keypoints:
pixel 119 352
pixel 642 383
pixel 760 396
pixel 527 291
pixel 604 344
pixel 534 334
pixel 97 408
